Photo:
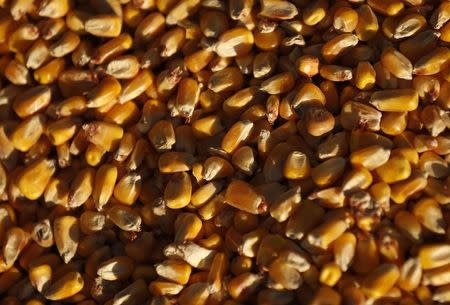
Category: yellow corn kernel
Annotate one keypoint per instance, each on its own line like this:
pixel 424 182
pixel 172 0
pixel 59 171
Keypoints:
pixel 410 274
pixel 367 25
pixel 318 121
pixel 67 286
pixel 34 178
pixel 123 67
pixel 91 222
pixel 409 225
pixel 315 12
pixel 308 94
pixel 438 190
pixel 111 48
pixel 136 86
pixel 187 97
pixel 442 294
pixel 206 192
pixel 326 233
pixel 66 44
pixel 355 114
pixel 106 91
pixel 62 130
pixel 51 28
pixel 396 63
pixel 81 187
pixel 344 249
pixel 49 73
pixel 284 274
pixel 216 167
pixel 370 157
pixel 428 212
pixel 358 178
pixel 67 234
pixel 296 166
pixel 269 40
pixel 330 274
pixel 228 79
pixel 14 242
pixel 40 276
pixel 198 60
pixel 328 172
pixel 212 207
pixel 187 227
pixel 271 9
pixel 391 8
pixel 162 135
pixel 118 268
pixel 218 269
pixel 123 114
pixel 243 285
pixel 207 127
pixel 28 132
pixel 409 25
pixel 174 270
pixel 17 73
pixel 433 165
pixel 32 101
pixel 434 255
pixel 125 218
pixel 94 154
pixel 42 233
pixel 159 287
pixel 128 188
pixel 105 180
pixel 326 295
pixel 332 197
pixel 104 25
pixel 381 280
pixel 22 37
pixel 103 134
pixel 395 100
pixel 136 291
pixel 234 42
pixel 75 82
pixel 178 191
pixel 82 55
pixel 394 123
pixel 336 73
pixel 282 208
pixel 395 169
pixel 53 8
pixel 409 154
pixel 242 196
pixel 236 103
pixel 244 159
pixel 437 276
pixel 172 41
pixel 172 162
pixel 333 48
pixel 69 107
pixel 364 76
pixel 433 62
pixel 149 27
pixel 402 190
pixel 345 19
pixel 236 135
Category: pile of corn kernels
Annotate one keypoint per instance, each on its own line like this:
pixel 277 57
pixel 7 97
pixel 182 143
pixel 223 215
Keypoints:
pixel 212 152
